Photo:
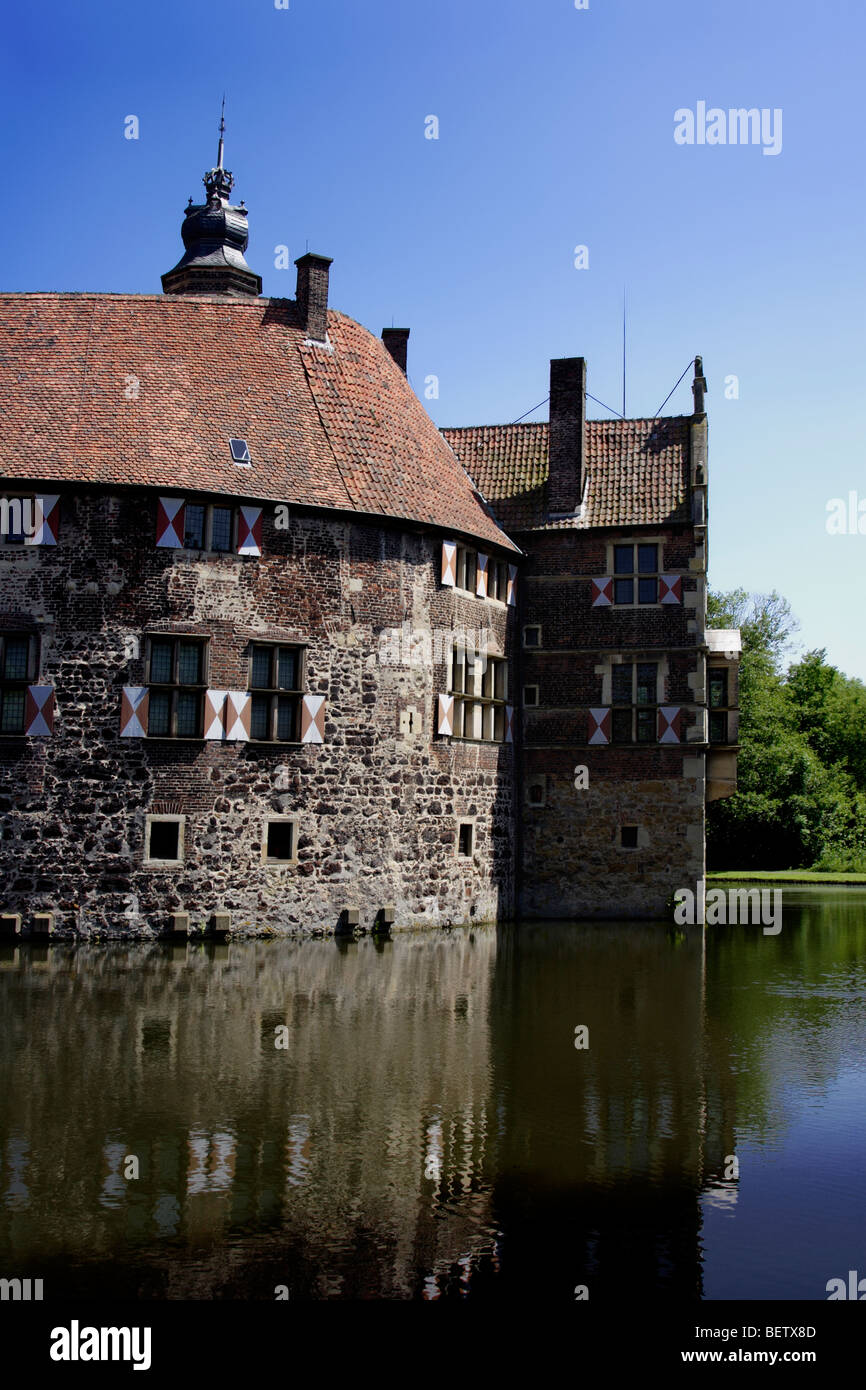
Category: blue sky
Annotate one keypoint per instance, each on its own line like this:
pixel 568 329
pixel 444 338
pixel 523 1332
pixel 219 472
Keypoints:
pixel 556 129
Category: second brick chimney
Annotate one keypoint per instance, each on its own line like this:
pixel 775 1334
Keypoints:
pixel 567 434
pixel 312 294
pixel 396 340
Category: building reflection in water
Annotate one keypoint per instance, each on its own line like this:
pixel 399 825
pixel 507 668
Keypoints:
pixel 429 1130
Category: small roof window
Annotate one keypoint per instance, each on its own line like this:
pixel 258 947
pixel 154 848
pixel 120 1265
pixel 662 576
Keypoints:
pixel 241 452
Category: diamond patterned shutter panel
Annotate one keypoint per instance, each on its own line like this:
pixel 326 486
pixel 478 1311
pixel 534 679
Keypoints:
pixel 511 590
pixel 509 723
pixel 599 726
pixel 214 714
pixel 602 591
pixel 46 520
pixel 670 723
pixel 449 564
pixel 670 588
pixel 39 711
pixel 250 531
pixel 313 719
pixel 133 711
pixel 481 576
pixel 170 522
pixel 239 708
pixel 445 723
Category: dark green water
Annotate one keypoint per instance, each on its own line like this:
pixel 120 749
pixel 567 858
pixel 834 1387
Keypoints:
pixel 430 1130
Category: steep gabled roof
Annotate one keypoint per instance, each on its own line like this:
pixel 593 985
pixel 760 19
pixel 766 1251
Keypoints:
pixel 148 389
pixel 636 472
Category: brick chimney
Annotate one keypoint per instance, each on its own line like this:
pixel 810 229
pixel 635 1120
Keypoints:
pixel 312 294
pixel 396 340
pixel 567 434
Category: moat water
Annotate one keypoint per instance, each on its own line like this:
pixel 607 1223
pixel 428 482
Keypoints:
pixel 427 1128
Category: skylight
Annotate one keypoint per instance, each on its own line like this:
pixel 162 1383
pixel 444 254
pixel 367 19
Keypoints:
pixel 241 453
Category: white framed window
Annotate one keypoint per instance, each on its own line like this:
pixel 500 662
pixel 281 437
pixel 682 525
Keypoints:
pixel 479 685
pixel 465 839
pixel 164 839
pixel 280 840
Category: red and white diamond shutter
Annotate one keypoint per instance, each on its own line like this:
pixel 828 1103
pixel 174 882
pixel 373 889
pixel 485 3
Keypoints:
pixel 39 711
pixel 250 531
pixel 481 577
pixel 133 711
pixel 449 564
pixel 214 714
pixel 511 591
pixel 602 592
pixel 313 719
pixel 670 588
pixel 238 707
pixel 445 723
pixel 46 521
pixel 599 726
pixel 170 518
pixel 509 723
pixel 670 723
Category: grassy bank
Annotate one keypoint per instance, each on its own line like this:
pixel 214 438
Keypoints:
pixel 786 876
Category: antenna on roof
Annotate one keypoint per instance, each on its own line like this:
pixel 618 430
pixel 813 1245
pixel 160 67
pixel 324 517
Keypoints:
pixel 222 133
pixel 623 352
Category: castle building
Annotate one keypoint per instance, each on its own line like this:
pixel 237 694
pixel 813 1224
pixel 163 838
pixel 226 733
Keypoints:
pixel 277 655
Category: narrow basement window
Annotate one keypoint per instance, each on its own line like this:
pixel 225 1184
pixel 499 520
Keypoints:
pixel 279 841
pixel 464 840
pixel 164 839
pixel 629 837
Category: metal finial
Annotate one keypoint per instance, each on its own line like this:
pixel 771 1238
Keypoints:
pixel 222 133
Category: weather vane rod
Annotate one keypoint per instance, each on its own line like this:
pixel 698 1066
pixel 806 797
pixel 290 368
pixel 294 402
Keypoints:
pixel 222 133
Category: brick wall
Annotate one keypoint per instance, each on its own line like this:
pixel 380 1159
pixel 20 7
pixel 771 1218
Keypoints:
pixel 572 861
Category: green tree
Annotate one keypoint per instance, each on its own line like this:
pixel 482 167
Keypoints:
pixel 800 798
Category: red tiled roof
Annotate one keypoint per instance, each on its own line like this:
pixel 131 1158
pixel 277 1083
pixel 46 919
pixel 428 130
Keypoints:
pixel 636 471
pixel 148 389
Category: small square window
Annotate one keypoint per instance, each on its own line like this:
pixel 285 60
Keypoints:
pixel 535 793
pixel 530 695
pixel 647 559
pixel 647 590
pixel 532 636
pixel 646 726
pixel 647 674
pixel 628 834
pixel 465 839
pixel 279 841
pixel 718 683
pixel 621 726
pixel 221 528
pixel 193 534
pixel 623 591
pixel 621 683
pixel 623 559
pixel 240 452
pixel 718 726
pixel 164 839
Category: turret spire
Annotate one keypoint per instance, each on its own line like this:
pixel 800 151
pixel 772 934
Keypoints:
pixel 215 236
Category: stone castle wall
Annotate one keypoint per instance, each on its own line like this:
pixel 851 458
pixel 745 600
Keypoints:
pixel 377 803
